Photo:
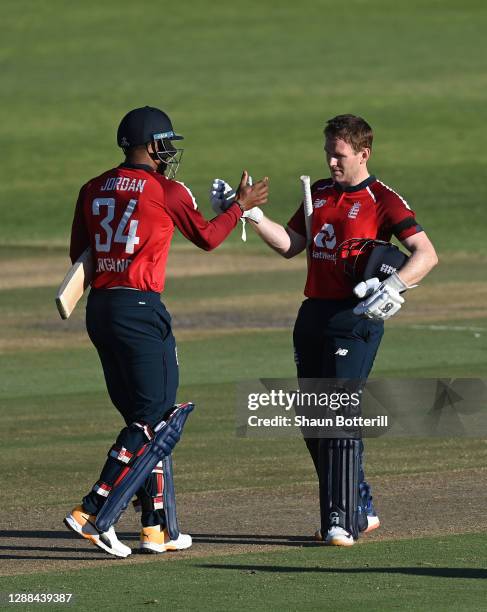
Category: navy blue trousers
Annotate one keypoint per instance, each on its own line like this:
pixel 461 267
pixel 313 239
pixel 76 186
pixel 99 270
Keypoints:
pixel 332 342
pixel 131 331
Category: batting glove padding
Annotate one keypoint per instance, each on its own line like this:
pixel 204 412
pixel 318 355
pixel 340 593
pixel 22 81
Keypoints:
pixel 222 195
pixel 383 299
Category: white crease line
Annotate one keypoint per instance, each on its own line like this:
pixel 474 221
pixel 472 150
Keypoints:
pixel 448 328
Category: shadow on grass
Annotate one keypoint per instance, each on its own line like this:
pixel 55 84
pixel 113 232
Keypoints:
pixel 198 538
pixel 61 534
pixel 249 539
pixel 64 549
pixel 437 572
pixel 53 558
pixel 25 543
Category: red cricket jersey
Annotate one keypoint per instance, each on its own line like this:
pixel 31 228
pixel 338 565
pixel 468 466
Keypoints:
pixel 127 215
pixel 368 210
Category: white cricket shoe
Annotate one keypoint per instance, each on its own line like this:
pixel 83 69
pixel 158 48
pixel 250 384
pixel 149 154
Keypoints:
pixel 337 536
pixel 373 522
pixel 83 524
pixel 157 540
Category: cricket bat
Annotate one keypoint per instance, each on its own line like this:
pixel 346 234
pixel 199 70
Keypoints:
pixel 308 206
pixel 75 282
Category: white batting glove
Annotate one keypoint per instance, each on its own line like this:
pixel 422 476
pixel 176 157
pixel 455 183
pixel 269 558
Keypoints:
pixel 366 288
pixel 383 299
pixel 221 195
pixel 254 214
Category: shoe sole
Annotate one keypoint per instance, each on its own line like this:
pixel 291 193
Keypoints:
pixel 372 526
pixel 175 547
pixel 159 549
pixel 340 542
pixel 147 550
pixel 72 525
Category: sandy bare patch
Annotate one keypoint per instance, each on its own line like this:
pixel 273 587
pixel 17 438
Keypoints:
pixel 51 269
pixel 44 343
pixel 440 302
pixel 193 263
pixel 33 271
pixel 185 260
pixel 243 520
pixel 445 301
pixel 200 318
pixel 224 315
pixel 262 301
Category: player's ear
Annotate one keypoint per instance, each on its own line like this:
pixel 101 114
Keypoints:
pixel 365 153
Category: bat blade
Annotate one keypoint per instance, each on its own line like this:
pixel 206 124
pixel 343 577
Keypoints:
pixel 75 282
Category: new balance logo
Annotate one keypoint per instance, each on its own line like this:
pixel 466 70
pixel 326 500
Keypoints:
pixel 341 352
pixel 319 203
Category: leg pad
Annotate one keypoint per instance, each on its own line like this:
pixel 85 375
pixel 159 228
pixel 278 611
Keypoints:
pixel 339 484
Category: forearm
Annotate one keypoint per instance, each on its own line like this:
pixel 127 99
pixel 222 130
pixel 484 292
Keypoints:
pixel 205 234
pixel 286 243
pixel 420 263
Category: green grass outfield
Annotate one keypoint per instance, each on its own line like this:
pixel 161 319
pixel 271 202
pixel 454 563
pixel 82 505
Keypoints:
pixel 249 84
pixel 446 573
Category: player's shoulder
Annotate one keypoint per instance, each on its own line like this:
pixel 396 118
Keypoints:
pixel 385 194
pixel 177 190
pixel 322 184
pixel 100 178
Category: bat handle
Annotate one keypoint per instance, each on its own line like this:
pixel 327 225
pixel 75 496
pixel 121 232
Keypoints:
pixel 307 205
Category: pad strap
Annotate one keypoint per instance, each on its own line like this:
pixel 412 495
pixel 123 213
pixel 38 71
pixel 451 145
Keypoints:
pixel 155 501
pixel 158 475
pixel 102 488
pixel 121 454
pixel 162 484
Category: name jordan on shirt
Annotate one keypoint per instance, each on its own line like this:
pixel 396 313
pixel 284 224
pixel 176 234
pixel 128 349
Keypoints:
pixel 124 183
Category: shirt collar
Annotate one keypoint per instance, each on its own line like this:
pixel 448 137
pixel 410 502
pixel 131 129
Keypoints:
pixel 370 179
pixel 136 167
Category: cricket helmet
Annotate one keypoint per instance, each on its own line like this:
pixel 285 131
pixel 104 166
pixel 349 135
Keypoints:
pixel 365 258
pixel 151 125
